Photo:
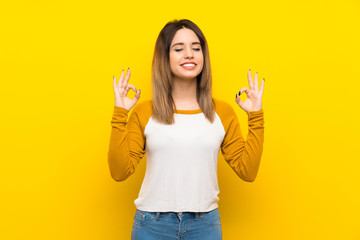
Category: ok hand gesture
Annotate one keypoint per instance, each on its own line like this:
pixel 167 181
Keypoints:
pixel 121 91
pixel 254 95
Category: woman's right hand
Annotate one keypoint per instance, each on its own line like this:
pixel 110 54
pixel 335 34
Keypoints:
pixel 121 90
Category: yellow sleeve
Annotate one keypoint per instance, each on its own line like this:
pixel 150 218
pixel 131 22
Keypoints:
pixel 127 143
pixel 243 156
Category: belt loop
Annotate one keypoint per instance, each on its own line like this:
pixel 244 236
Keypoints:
pixel 157 216
pixel 196 216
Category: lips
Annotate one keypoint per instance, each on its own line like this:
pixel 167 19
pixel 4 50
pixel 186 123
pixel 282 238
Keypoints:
pixel 188 63
pixel 188 66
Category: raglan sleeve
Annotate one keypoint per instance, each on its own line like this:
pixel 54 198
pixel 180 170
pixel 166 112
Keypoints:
pixel 127 143
pixel 242 155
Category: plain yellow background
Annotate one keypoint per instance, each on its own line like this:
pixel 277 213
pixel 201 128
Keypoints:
pixel 57 61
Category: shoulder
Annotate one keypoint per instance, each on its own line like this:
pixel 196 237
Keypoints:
pixel 143 106
pixel 223 108
pixel 141 112
pixel 226 114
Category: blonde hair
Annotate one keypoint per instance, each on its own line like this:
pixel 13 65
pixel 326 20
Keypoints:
pixel 162 81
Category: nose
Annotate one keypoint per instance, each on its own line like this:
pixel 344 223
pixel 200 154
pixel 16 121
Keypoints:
pixel 188 53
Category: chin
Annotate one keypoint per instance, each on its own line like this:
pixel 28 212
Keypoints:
pixel 189 75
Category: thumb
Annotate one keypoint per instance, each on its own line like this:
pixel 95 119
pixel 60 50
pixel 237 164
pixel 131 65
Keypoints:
pixel 239 101
pixel 137 95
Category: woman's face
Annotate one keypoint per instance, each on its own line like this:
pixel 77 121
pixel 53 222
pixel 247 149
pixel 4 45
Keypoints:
pixel 185 48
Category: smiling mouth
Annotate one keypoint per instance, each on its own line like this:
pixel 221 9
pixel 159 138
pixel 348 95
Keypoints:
pixel 188 64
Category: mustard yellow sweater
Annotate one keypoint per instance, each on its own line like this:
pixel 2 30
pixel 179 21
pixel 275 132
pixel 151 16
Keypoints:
pixel 181 170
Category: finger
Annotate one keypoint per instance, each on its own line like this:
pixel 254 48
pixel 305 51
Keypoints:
pixel 238 100
pixel 262 86
pixel 130 86
pixel 128 73
pixel 246 90
pixel 114 82
pixel 120 85
pixel 250 79
pixel 116 91
pixel 256 85
pixel 137 96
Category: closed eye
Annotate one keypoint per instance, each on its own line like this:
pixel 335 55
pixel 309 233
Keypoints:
pixel 196 49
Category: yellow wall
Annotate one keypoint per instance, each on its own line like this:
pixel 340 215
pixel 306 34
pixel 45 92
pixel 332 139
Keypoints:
pixel 57 60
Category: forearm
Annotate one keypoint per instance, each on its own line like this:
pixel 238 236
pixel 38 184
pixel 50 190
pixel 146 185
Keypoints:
pixel 242 155
pixel 121 162
pixel 251 157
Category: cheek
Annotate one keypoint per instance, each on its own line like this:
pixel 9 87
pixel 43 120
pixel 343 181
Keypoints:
pixel 202 60
pixel 202 64
pixel 201 57
pixel 172 60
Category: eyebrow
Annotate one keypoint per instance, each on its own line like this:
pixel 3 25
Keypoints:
pixel 180 43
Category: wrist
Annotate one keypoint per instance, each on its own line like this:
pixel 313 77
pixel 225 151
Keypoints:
pixel 255 109
pixel 123 107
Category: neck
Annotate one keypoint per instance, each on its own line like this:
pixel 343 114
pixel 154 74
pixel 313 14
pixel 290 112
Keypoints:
pixel 184 93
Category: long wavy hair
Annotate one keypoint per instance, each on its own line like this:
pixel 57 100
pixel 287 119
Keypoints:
pixel 162 80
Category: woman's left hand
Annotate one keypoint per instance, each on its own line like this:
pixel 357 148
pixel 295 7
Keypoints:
pixel 254 95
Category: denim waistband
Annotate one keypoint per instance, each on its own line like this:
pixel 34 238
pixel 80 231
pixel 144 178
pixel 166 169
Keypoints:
pixel 178 214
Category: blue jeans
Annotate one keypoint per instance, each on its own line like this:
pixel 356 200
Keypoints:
pixel 177 226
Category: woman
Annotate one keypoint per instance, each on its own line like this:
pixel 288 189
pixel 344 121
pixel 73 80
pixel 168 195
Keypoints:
pixel 181 131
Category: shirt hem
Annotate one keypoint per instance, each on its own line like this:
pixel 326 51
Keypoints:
pixel 155 209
